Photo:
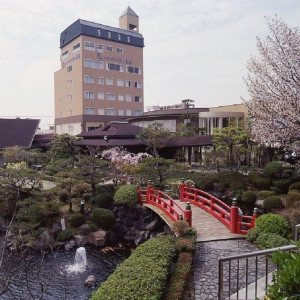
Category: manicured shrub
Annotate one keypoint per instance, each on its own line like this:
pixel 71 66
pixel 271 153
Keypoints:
pixel 143 275
pixel 286 278
pixel 295 186
pixel 190 232
pixel 258 181
pixel 267 240
pixel 282 185
pixel 274 169
pixel 104 200
pixel 265 194
pixel 288 172
pixel 272 223
pixel 206 183
pixel 249 197
pixel 292 197
pixel 32 214
pixel 127 194
pixel 103 218
pixel 77 219
pixel 92 227
pixel 179 227
pixel 65 235
pixel 184 244
pixel 253 234
pixel 105 188
pixel 272 202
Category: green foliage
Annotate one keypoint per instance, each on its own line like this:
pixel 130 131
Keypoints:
pixel 274 169
pixel 63 195
pixel 32 214
pixel 292 198
pixel 103 218
pixel 92 227
pixel 51 208
pixel 143 275
pixel 105 188
pixel 63 146
pixel 265 194
pixel 287 278
pixel 77 219
pixel 127 195
pixel 267 240
pixel 179 277
pixel 271 223
pixel 80 188
pixel 272 202
pixel 180 226
pixel 282 185
pixel 206 182
pixel 39 231
pixel 295 186
pixel 253 234
pixel 65 235
pixel 184 244
pixel 258 181
pixel 104 200
pixel 190 232
pixel 249 197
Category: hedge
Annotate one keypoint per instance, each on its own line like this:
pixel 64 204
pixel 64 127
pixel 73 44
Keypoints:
pixel 127 194
pixel 143 275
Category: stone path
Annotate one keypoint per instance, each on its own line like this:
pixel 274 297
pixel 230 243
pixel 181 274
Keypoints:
pixel 206 267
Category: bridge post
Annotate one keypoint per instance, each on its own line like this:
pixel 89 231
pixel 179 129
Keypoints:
pixel 181 190
pixel 234 216
pixel 188 213
pixel 148 194
pixel 254 217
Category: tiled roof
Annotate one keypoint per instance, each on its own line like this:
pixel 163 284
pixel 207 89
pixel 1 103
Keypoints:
pixel 17 132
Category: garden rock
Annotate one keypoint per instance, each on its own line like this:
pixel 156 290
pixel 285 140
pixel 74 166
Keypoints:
pixel 98 238
pixel 90 281
pixel 80 240
pixel 70 245
pixel 84 229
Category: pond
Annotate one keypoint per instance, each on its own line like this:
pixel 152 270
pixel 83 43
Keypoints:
pixel 58 277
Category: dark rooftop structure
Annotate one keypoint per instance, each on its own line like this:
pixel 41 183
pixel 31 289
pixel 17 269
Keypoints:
pixel 17 132
pixel 82 27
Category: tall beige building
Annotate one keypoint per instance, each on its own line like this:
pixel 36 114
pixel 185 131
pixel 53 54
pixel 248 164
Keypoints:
pixel 101 75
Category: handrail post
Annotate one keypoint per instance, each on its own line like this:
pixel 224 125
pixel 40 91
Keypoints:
pixel 188 213
pixel 254 217
pixel 233 216
pixel 148 194
pixel 181 190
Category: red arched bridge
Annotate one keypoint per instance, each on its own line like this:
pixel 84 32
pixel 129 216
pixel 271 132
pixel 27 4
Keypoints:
pixel 170 209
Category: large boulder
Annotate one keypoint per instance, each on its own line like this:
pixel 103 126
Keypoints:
pixel 80 240
pixel 98 238
pixel 84 229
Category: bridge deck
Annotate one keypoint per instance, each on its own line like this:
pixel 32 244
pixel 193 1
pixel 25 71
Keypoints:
pixel 208 227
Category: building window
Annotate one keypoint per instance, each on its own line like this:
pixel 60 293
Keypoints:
pixel 109 48
pixel 121 112
pixel 70 97
pixel 128 39
pixel 121 97
pixel 89 95
pixel 89 46
pixel 88 79
pixel 128 98
pixel 64 54
pixel 127 83
pixel 109 35
pixel 138 99
pixel 76 47
pixel 114 67
pixel 138 85
pixel 128 112
pixel 109 81
pixel 138 112
pixel 71 112
pixel 99 48
pixel 89 111
pixel 101 96
pixel 70 81
pixel 119 50
pixel 61 114
pixel 101 111
pixel 69 69
pixel 99 32
pixel 89 63
pixel 110 96
pixel 119 37
pixel 120 82
pixel 111 111
pixel 100 80
pixel 135 70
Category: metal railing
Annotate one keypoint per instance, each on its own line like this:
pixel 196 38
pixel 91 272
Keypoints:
pixel 241 282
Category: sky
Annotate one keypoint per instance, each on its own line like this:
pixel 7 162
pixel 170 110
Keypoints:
pixel 195 49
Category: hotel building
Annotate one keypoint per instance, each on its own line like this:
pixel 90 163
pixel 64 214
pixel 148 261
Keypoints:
pixel 101 75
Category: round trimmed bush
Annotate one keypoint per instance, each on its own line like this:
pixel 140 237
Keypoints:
pixel 253 234
pixel 65 235
pixel 265 194
pixel 292 197
pixel 104 200
pixel 77 219
pixel 249 197
pixel 127 194
pixel 272 223
pixel 267 240
pixel 103 218
pixel 272 202
pixel 274 169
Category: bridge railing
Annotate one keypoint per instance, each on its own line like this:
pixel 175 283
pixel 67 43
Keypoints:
pixel 166 204
pixel 228 215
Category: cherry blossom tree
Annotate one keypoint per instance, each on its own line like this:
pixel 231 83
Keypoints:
pixel 120 158
pixel 273 83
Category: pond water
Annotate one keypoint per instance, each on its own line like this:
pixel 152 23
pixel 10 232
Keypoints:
pixel 63 280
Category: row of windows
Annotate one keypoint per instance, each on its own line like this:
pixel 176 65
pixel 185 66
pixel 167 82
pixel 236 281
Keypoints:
pixel 109 35
pixel 111 96
pixel 99 47
pixel 112 111
pixel 95 64
pixel 110 81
